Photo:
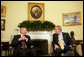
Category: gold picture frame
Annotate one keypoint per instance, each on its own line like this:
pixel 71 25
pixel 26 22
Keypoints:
pixel 35 11
pixel 70 19
pixel 3 11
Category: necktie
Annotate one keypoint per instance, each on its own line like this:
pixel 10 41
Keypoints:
pixel 61 42
pixel 23 44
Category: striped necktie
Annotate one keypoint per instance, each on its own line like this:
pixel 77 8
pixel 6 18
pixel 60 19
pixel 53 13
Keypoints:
pixel 23 44
pixel 61 42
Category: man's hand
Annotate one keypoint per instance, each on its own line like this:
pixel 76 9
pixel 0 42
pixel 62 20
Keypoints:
pixel 56 46
pixel 22 38
pixel 70 46
pixel 32 46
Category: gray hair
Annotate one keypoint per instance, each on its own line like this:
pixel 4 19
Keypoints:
pixel 59 27
pixel 22 29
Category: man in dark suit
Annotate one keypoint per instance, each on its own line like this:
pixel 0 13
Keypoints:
pixel 22 44
pixel 63 45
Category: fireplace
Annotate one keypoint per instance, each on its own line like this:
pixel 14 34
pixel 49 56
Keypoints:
pixel 41 46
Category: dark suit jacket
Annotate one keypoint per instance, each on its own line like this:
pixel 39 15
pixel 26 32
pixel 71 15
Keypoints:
pixel 18 44
pixel 66 38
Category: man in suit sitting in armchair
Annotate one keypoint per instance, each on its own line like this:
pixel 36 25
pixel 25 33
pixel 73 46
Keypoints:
pixel 61 41
pixel 22 44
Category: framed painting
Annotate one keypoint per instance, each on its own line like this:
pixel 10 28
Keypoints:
pixel 35 11
pixel 2 24
pixel 3 11
pixel 73 18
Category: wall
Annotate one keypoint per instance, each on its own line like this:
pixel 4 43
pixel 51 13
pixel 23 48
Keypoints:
pixel 17 11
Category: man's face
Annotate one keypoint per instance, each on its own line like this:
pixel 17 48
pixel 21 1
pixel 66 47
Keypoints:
pixel 57 30
pixel 23 31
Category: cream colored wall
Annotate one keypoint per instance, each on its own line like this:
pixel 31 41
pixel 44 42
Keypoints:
pixel 17 11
